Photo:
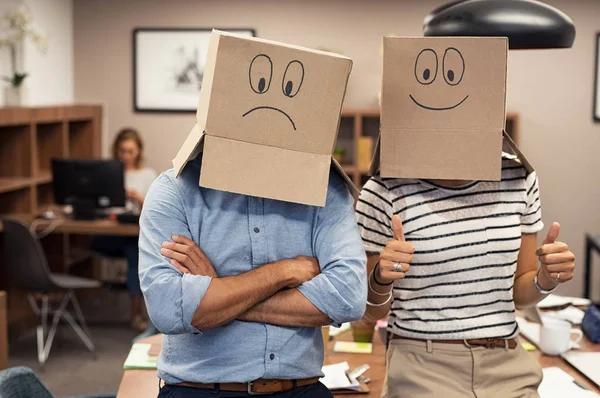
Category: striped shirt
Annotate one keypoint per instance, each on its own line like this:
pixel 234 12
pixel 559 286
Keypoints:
pixel 467 239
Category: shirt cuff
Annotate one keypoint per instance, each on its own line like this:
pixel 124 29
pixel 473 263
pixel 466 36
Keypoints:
pixel 193 289
pixel 324 296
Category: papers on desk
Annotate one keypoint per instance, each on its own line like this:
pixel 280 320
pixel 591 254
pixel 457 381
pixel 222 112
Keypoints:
pixel 587 363
pixel 559 301
pixel 569 314
pixel 353 347
pixel 333 331
pixel 139 357
pixel 336 378
pixel 559 384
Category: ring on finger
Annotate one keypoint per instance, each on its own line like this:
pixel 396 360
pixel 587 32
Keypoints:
pixel 557 276
pixel 397 267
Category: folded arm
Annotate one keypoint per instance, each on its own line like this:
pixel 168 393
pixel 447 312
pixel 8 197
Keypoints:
pixel 183 302
pixel 340 290
pixel 287 308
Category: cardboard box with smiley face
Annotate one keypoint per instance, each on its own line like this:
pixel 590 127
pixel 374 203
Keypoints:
pixel 268 119
pixel 443 108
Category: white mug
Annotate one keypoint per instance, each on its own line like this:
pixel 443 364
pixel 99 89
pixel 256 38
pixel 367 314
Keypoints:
pixel 555 336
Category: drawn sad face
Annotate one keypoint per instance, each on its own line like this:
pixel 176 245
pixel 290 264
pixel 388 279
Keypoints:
pixel 260 76
pixel 429 69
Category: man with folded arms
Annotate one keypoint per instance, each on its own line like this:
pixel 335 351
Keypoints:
pixel 241 272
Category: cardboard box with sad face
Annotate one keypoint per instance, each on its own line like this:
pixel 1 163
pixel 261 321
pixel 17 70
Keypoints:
pixel 443 108
pixel 268 119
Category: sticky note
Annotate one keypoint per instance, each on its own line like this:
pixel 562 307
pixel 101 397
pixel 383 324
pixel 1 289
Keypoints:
pixel 352 347
pixel 528 346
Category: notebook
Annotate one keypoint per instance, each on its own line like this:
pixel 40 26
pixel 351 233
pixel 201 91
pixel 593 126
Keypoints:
pixel 139 357
pixel 559 384
pixel 588 363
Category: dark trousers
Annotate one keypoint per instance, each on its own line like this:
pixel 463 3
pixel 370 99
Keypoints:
pixel 316 390
pixel 122 246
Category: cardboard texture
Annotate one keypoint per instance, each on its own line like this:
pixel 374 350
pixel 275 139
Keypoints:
pixel 442 108
pixel 268 119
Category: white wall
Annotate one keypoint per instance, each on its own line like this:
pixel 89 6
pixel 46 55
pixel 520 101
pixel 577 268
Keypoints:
pixel 551 90
pixel 50 74
pixel 5 7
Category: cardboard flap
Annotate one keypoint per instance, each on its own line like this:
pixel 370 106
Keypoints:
pixel 264 171
pixel 375 162
pixel 517 152
pixel 189 150
pixel 441 154
pixel 340 170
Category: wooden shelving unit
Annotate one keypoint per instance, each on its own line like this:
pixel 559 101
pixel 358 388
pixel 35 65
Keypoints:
pixel 357 123
pixel 29 139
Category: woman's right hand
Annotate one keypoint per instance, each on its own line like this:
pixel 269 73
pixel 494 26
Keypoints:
pixel 397 251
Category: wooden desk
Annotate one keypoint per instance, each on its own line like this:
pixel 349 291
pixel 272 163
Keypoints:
pixel 93 227
pixel 548 361
pixel 144 383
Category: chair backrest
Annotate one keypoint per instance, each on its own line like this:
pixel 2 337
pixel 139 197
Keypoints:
pixel 25 257
pixel 21 382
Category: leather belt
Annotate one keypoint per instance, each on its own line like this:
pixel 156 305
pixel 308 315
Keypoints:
pixel 257 387
pixel 487 343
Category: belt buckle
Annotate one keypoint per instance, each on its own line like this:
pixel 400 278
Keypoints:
pixel 490 343
pixel 250 392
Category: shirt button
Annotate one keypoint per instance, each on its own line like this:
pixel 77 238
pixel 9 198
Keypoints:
pixel 256 230
pixel 272 356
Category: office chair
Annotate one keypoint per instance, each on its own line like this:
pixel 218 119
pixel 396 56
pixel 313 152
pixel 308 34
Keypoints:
pixel 28 268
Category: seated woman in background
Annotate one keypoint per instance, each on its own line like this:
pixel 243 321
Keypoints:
pixel 128 148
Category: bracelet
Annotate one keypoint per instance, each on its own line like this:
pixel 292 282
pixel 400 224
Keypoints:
pixel 375 291
pixel 380 304
pixel 375 277
pixel 539 288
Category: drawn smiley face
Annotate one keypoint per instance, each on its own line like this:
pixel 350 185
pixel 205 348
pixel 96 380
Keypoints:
pixel 427 68
pixel 260 75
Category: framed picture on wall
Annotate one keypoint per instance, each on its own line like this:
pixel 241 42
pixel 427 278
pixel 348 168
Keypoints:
pixel 168 65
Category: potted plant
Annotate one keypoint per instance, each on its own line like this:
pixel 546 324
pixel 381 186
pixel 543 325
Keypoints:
pixel 338 154
pixel 16 27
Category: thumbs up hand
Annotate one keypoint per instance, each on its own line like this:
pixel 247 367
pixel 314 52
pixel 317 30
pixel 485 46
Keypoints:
pixel 557 261
pixel 395 259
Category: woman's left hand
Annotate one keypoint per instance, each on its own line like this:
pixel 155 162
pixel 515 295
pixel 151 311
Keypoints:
pixel 558 262
pixel 187 257
pixel 134 195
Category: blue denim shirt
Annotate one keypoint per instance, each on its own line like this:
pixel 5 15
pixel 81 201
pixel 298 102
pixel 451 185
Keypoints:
pixel 239 233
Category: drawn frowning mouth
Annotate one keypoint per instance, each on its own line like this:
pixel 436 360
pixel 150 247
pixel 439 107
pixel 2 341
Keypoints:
pixel 437 109
pixel 273 109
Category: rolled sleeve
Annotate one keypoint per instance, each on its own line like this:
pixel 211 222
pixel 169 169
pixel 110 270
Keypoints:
pixel 340 290
pixel 171 297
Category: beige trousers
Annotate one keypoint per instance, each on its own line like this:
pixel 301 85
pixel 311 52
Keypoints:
pixel 417 369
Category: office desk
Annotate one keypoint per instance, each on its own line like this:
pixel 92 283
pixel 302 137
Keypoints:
pixel 144 383
pixel 82 227
pixel 92 227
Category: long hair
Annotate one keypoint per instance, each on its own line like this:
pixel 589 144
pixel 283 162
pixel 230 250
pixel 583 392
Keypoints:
pixel 129 134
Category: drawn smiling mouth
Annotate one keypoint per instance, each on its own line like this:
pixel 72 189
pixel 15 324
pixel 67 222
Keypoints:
pixel 273 109
pixel 437 109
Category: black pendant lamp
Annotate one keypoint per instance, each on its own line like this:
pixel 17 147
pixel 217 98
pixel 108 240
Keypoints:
pixel 528 24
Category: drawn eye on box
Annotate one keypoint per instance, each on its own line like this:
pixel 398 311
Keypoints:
pixel 260 75
pixel 426 73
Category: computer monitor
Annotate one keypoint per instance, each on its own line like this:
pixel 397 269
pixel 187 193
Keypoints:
pixel 88 184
